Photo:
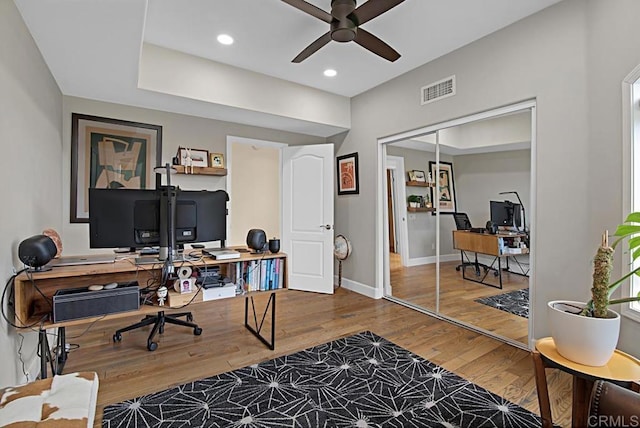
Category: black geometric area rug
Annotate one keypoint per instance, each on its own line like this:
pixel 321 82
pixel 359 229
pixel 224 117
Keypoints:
pixel 358 381
pixel 515 302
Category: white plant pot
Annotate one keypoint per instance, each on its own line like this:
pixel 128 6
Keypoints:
pixel 584 340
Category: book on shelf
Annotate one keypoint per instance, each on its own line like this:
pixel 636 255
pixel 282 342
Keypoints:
pixel 221 254
pixel 259 275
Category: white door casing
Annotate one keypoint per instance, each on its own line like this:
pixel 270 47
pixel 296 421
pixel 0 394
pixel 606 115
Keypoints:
pixel 307 216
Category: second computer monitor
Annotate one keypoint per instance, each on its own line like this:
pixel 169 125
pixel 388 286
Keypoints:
pixel 506 214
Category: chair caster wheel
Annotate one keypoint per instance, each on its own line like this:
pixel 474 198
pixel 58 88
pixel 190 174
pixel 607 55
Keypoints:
pixel 189 317
pixel 496 273
pixel 117 337
pixel 457 268
pixel 152 346
pixel 197 331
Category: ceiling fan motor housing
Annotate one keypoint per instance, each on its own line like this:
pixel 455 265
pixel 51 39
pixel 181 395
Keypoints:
pixel 343 31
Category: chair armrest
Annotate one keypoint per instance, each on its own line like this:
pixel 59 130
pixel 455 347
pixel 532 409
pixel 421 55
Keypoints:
pixel 612 405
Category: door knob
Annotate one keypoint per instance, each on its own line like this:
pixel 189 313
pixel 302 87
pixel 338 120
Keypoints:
pixel 326 226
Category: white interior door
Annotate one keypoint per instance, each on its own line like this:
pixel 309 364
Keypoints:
pixel 307 216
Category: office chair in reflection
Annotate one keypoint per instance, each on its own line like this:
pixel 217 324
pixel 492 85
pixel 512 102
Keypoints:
pixel 463 223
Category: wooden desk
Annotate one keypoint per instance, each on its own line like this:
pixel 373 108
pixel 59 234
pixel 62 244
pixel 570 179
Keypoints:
pixel 622 369
pixel 488 244
pixel 34 292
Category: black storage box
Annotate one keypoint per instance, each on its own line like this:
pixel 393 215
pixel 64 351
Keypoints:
pixel 77 303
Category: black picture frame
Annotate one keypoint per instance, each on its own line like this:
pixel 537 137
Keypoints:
pixel 348 174
pixel 443 187
pixel 97 147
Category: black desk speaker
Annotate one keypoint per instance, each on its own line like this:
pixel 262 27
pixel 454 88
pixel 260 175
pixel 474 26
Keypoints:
pixel 257 240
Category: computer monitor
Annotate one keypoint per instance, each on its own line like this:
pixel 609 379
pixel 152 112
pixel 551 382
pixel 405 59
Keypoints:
pixel 506 214
pixel 136 218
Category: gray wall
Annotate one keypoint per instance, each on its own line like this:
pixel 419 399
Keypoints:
pixel 31 136
pixel 177 130
pixel 613 53
pixel 578 127
pixel 480 177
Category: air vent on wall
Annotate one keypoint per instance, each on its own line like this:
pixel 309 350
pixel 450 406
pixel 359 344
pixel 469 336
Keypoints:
pixel 438 90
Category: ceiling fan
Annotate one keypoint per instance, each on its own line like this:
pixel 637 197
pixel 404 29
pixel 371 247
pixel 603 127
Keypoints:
pixel 345 20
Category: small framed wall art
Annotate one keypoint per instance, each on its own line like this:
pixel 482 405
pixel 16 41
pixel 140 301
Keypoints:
pixel 348 174
pixel 216 160
pixel 193 157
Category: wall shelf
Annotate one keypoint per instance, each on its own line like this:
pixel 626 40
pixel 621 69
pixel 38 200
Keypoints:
pixel 201 170
pixel 420 210
pixel 419 184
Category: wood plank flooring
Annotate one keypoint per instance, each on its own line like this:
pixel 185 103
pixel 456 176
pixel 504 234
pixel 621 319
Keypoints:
pixel 417 285
pixel 128 370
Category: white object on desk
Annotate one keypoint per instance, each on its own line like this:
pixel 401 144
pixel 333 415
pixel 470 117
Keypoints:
pixel 214 293
pixel 221 254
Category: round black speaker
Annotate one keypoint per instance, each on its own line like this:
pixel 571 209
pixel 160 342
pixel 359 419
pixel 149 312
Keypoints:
pixel 37 251
pixel 257 240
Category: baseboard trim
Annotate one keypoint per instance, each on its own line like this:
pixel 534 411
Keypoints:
pixel 418 261
pixel 359 288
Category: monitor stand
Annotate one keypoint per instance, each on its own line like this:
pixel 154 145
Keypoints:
pixel 155 260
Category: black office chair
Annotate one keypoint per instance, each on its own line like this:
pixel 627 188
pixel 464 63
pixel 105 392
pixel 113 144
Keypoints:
pixel 158 321
pixel 463 223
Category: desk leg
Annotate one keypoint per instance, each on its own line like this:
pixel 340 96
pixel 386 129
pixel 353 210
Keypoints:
pixel 45 353
pixel 543 392
pixel 580 403
pixel 258 326
pixel 43 348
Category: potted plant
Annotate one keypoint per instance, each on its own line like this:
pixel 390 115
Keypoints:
pixel 587 333
pixel 414 201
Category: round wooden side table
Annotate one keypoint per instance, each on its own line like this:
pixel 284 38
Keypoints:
pixel 622 369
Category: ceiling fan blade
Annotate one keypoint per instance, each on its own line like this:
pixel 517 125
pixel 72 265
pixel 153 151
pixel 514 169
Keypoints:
pixel 373 8
pixel 310 9
pixel 313 47
pixel 375 45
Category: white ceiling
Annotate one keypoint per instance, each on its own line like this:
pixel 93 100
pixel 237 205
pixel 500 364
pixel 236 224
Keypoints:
pixel 93 47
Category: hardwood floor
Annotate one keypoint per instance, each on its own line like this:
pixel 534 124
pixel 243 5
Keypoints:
pixel 128 370
pixel 417 285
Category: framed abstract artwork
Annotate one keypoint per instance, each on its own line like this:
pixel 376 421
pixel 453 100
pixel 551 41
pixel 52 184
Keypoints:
pixel 110 153
pixel 348 174
pixel 444 192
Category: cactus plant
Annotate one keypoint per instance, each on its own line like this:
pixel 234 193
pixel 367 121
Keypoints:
pixel 602 289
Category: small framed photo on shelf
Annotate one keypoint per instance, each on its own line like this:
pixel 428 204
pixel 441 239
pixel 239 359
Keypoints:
pixel 193 157
pixel 417 175
pixel 216 160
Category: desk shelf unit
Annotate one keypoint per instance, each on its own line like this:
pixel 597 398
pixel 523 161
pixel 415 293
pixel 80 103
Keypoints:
pixel 31 306
pixel 34 292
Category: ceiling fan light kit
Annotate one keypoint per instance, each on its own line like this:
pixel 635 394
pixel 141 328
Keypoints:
pixel 344 25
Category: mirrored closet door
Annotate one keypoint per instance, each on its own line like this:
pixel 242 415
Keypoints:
pixel 472 171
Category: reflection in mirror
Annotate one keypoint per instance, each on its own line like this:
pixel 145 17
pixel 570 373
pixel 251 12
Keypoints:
pixel 412 225
pixel 486 158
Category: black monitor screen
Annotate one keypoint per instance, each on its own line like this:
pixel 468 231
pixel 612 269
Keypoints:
pixel 505 214
pixel 137 218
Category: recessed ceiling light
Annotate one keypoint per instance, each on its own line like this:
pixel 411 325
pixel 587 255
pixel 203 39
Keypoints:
pixel 329 72
pixel 225 39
